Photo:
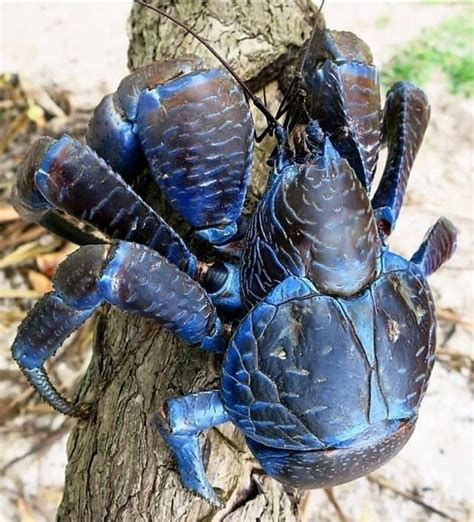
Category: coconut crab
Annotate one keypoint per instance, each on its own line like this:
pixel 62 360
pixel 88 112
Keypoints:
pixel 326 371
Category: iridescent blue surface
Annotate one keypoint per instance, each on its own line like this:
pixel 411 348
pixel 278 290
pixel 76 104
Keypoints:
pixel 73 178
pixel 199 146
pixel 325 374
pixel 314 371
pixel 181 426
pixel 344 96
pixel 195 128
pixel 129 276
pixel 315 220
pixel 407 113
pixel 115 139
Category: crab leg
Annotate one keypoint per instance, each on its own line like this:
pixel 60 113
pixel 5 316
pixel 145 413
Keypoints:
pixel 407 113
pixel 438 246
pixel 194 127
pixel 112 129
pixel 344 96
pixel 180 425
pixel 69 176
pixel 129 276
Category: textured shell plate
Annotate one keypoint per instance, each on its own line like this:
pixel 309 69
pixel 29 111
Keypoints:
pixel 308 371
pixel 197 134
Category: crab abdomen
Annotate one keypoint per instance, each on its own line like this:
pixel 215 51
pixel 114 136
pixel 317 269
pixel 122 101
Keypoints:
pixel 321 469
pixel 309 371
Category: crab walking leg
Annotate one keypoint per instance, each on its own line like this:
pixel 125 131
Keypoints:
pixel 52 220
pixel 32 206
pixel 438 246
pixel 69 176
pixel 129 276
pixel 344 96
pixel 407 113
pixel 180 425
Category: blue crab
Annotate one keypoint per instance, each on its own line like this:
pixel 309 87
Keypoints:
pixel 328 337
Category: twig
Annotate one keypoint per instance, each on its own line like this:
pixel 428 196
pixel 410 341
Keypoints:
pixel 28 235
pixel 21 399
pixel 12 293
pixel 332 499
pixel 8 317
pixel 42 445
pixel 455 360
pixel 452 317
pixel 8 213
pixel 384 483
pixel 27 252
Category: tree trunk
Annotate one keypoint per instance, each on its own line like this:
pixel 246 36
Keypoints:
pixel 119 468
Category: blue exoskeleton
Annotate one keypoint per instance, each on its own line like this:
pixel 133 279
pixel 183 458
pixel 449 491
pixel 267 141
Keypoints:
pixel 325 373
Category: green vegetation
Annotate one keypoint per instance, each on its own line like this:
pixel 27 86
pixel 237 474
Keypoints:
pixel 382 21
pixel 447 48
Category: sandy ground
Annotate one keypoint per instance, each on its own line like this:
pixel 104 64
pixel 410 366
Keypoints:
pixel 45 42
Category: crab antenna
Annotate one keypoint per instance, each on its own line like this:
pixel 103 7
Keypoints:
pixel 256 101
pixel 313 35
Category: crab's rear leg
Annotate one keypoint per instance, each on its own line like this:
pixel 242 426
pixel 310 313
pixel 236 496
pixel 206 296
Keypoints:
pixel 66 175
pixel 407 113
pixel 438 246
pixel 180 424
pixel 129 276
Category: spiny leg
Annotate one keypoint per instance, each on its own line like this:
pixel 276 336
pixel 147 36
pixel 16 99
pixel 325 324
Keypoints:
pixel 344 96
pixel 438 246
pixel 69 176
pixel 180 424
pixel 31 205
pixel 129 276
pixel 407 113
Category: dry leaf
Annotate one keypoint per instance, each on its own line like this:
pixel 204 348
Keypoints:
pixel 47 263
pixel 28 252
pixel 26 511
pixel 18 293
pixel 42 99
pixel 17 235
pixel 9 317
pixel 39 282
pixel 36 114
pixel 13 129
pixel 450 316
pixel 8 213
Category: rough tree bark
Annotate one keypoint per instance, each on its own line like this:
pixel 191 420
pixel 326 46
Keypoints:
pixel 118 468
